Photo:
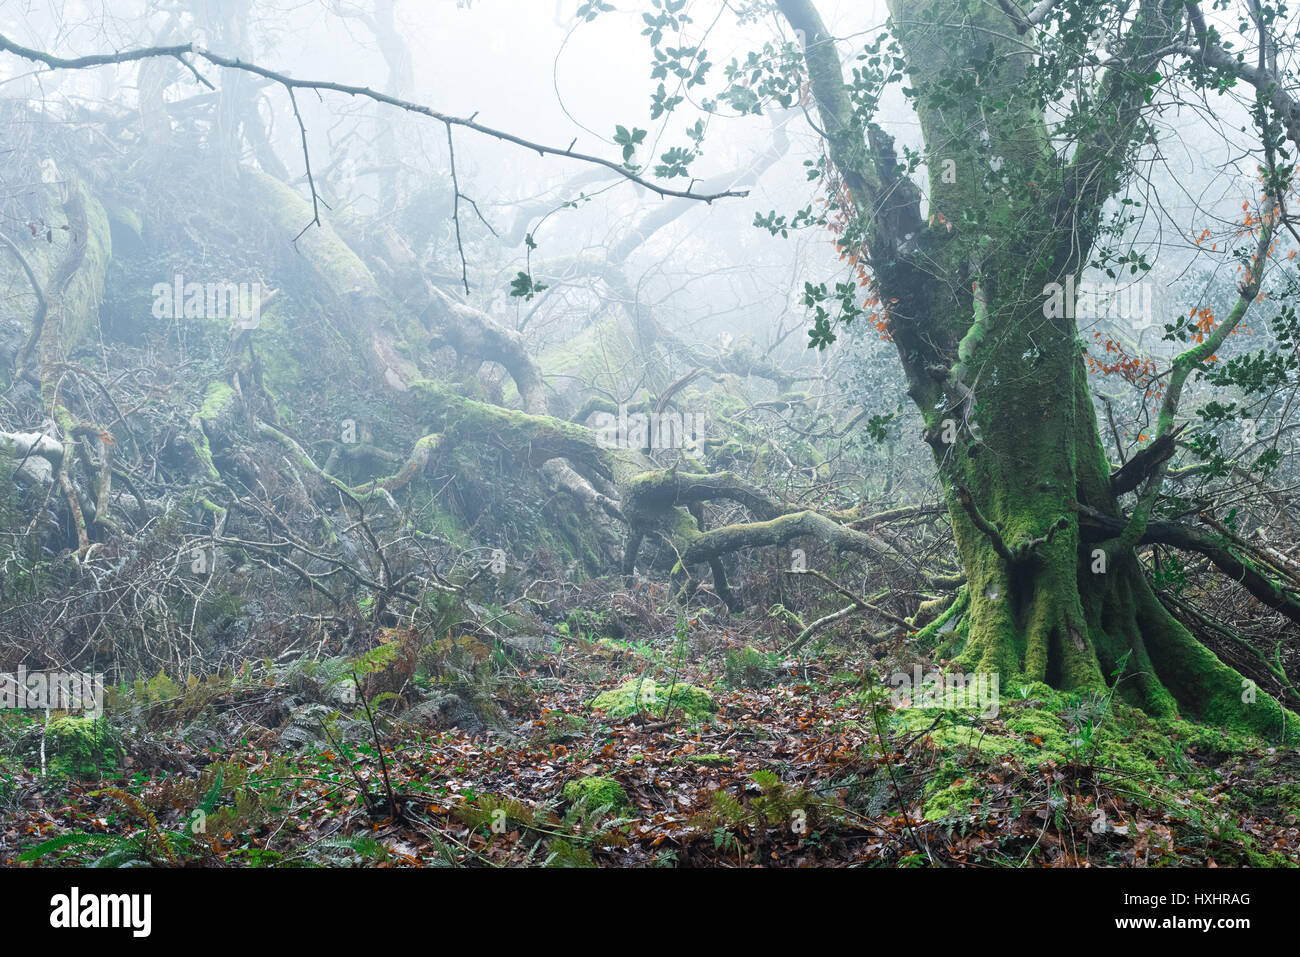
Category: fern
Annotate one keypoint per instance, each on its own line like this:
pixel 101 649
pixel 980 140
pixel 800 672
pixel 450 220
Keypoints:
pixel 72 839
pixel 151 846
pixel 213 795
pixel 361 846
pixel 728 807
pixel 156 835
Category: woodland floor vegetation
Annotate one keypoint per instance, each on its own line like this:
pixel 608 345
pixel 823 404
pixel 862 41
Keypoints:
pixel 805 761
pixel 426 508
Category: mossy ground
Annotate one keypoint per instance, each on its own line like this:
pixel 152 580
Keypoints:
pixel 815 767
pixel 660 699
pixel 596 791
pixel 1072 744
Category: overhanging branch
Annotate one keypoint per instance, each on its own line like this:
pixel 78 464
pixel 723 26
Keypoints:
pixel 179 52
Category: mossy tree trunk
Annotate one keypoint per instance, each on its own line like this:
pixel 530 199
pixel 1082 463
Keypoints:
pixel 1044 602
pixel 995 368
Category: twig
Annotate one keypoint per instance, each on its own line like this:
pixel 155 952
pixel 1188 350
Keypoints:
pixel 455 211
pixel 393 806
pixel 306 158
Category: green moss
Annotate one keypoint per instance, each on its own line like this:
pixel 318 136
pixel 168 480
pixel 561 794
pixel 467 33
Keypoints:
pixel 974 738
pixel 695 704
pixel 74 309
pixel 589 624
pixel 598 354
pixel 708 760
pixel 1124 738
pixel 332 258
pixel 596 791
pixel 954 800
pixel 80 744
pixel 216 400
pixel 70 727
pixel 86 289
pixel 1059 727
pixel 125 217
pixel 447 524
pixel 983 737
pixel 564 533
pixel 1285 796
pixel 1031 691
pixel 281 354
pixel 948 630
pixel 1035 723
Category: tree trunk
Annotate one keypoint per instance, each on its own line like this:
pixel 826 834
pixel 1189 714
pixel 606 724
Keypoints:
pixel 1042 603
pixel 998 376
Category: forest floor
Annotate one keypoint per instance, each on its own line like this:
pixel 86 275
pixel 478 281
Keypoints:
pixel 735 758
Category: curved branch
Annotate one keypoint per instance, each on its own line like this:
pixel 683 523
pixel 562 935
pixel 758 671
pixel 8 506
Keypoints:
pixel 1095 526
pixel 22 364
pixel 289 83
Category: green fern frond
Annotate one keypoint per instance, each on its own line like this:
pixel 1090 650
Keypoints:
pixel 74 839
pixel 213 795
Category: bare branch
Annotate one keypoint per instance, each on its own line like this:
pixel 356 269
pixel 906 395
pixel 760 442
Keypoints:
pixel 289 83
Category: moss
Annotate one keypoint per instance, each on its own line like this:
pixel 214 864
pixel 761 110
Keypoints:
pixel 588 624
pixel 973 738
pixel 980 737
pixel 1285 796
pixel 567 535
pixel 1035 723
pixel 367 325
pixel 216 400
pixel 1035 730
pixel 596 355
pixel 952 801
pixel 281 354
pixel 695 704
pixel 1209 740
pixel 596 791
pixel 435 517
pixel 1124 739
pixel 71 727
pixel 85 290
pixel 564 728
pixel 540 437
pixel 948 629
pixel 447 524
pixel 86 240
pixel 332 258
pixel 124 216
pixel 1031 691
pixel 80 744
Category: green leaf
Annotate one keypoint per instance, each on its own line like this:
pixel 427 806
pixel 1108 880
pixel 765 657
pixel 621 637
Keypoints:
pixel 523 287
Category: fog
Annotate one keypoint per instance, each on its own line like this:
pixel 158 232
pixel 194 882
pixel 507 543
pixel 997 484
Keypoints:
pixel 464 399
